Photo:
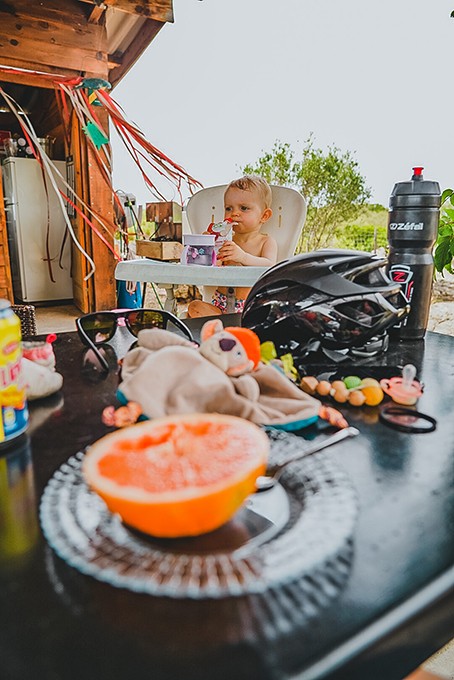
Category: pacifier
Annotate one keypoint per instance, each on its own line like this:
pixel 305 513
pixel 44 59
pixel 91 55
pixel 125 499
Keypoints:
pixel 403 390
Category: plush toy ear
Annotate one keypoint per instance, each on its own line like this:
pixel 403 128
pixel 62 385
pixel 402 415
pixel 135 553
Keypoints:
pixel 249 340
pixel 211 327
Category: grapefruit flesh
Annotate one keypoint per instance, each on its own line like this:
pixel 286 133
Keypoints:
pixel 178 476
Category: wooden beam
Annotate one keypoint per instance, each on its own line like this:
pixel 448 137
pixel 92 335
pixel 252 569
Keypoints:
pixel 69 12
pixel 77 57
pixel 51 36
pixel 21 29
pixel 100 199
pixel 55 36
pixel 82 289
pixel 160 10
pixel 96 14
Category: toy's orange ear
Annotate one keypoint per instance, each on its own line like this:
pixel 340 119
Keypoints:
pixel 249 340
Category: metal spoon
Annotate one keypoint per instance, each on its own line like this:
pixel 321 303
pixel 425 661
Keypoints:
pixel 265 482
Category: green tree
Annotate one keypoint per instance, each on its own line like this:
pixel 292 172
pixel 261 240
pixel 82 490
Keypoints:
pixel 334 188
pixel 444 246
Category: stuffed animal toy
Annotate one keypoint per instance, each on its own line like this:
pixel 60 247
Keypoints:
pixel 166 374
pixel 234 350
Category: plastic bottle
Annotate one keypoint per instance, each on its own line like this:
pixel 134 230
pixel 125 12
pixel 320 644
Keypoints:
pixel 414 213
pixel 13 402
pixel 19 530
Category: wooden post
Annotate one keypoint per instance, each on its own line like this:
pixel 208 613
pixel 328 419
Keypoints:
pixel 99 291
pixel 6 284
pixel 100 199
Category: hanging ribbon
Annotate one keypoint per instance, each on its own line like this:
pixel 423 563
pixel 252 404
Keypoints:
pixel 83 94
pixel 42 157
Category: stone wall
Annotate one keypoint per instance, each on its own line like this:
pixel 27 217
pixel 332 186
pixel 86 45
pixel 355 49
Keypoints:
pixel 441 316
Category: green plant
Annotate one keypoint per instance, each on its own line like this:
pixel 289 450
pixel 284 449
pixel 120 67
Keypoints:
pixel 444 245
pixel 366 237
pixel 334 188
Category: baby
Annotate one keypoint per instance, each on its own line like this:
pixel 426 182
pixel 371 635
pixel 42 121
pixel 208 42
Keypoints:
pixel 247 203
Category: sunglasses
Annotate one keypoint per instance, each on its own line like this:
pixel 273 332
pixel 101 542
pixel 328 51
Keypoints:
pixel 100 327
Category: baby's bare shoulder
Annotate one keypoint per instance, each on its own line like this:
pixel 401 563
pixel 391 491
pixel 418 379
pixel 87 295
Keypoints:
pixel 269 248
pixel 267 241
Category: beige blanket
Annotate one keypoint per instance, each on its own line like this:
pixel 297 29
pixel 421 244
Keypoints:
pixel 167 375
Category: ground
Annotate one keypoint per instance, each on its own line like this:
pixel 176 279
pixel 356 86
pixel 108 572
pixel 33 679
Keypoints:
pixel 441 317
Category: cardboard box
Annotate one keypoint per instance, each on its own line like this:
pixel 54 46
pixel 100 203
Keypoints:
pixel 164 210
pixel 159 250
pixel 168 218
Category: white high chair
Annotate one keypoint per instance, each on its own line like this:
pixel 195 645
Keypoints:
pixel 285 225
pixel 207 205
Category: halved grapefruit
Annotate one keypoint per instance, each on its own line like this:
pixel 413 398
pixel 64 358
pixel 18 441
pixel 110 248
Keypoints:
pixel 178 476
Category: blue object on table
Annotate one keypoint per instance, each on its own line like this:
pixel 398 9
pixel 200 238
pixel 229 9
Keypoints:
pixel 127 300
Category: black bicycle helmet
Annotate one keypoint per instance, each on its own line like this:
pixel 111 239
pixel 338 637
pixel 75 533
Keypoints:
pixel 343 298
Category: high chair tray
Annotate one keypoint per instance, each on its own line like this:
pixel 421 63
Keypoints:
pixel 195 275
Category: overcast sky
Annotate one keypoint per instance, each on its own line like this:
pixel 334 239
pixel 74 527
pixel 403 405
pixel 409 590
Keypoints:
pixel 230 77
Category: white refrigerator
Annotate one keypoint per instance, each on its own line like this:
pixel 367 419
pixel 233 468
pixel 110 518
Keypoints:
pixel 36 229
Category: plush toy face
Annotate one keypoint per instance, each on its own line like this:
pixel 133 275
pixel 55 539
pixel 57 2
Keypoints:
pixel 224 350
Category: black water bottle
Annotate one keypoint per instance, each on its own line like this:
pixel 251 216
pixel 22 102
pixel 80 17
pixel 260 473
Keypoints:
pixel 414 213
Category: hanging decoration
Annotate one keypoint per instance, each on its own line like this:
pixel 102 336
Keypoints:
pixel 94 133
pixel 84 97
pixel 85 94
pixel 91 85
pixel 51 172
pixel 82 93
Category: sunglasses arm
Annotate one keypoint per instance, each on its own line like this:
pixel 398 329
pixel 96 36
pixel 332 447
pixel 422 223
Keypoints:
pixel 182 326
pixel 86 340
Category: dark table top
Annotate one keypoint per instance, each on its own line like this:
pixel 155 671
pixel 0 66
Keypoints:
pixel 394 610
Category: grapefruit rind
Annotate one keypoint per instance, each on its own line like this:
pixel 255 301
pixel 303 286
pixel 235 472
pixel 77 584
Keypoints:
pixel 229 471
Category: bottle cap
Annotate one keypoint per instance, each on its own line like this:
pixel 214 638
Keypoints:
pixel 417 191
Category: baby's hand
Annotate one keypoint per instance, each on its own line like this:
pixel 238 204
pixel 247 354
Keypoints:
pixel 230 252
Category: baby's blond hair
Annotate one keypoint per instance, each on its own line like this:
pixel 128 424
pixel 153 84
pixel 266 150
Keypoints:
pixel 253 183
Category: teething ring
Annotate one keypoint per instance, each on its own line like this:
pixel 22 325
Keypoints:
pixel 406 395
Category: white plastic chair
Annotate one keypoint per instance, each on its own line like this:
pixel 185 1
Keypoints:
pixel 285 225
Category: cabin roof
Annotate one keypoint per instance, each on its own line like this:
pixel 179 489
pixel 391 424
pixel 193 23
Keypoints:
pixel 98 38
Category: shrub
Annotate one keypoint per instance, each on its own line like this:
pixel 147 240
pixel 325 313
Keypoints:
pixel 366 237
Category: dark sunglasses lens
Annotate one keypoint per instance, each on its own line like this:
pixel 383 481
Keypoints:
pixel 99 327
pixel 145 319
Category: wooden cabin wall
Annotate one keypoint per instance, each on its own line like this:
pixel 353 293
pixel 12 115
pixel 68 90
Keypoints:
pixel 50 124
pixel 99 291
pixel 69 38
pixel 55 37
